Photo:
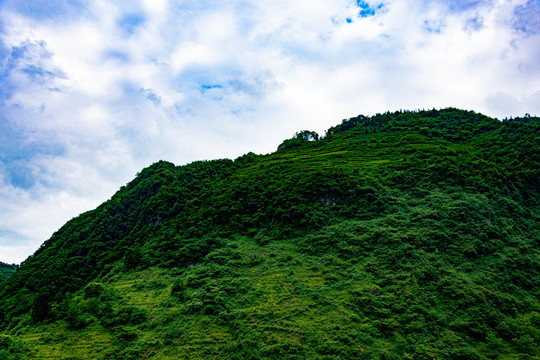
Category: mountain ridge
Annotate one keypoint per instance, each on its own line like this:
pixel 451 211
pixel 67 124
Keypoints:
pixel 400 224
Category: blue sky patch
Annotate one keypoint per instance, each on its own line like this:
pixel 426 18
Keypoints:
pixel 433 26
pixel 21 175
pixel 5 89
pixel 475 23
pixel 131 22
pixel 17 150
pixel 116 56
pixel 29 58
pixel 152 96
pixel 527 18
pixel 214 92
pixel 40 75
pixel 205 88
pixel 15 143
pixel 55 10
pixel 466 5
pixel 30 49
pixel 366 9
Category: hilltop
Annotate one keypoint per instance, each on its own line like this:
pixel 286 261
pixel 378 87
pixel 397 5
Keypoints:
pixel 405 235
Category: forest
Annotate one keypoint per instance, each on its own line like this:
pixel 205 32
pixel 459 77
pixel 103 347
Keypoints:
pixel 6 270
pixel 402 235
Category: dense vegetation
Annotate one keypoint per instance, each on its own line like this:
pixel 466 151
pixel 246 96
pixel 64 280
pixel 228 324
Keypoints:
pixel 406 235
pixel 6 270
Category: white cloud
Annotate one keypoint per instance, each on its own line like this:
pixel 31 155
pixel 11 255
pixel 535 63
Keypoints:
pixel 155 7
pixel 112 87
pixel 189 54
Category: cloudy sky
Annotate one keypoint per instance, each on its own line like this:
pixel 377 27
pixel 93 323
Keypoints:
pixel 93 91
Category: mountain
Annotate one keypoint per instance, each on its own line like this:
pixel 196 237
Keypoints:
pixel 6 270
pixel 405 235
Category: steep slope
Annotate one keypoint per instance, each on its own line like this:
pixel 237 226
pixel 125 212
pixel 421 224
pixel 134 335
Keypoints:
pixel 402 235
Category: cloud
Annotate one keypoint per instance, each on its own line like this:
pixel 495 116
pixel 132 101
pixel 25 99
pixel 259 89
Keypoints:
pixel 94 91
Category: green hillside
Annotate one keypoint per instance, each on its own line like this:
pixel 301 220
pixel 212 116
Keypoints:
pixel 6 270
pixel 406 235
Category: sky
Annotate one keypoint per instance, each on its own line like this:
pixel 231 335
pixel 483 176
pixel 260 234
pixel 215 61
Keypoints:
pixel 93 91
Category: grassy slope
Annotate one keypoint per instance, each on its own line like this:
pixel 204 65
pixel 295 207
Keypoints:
pixel 394 244
pixel 280 303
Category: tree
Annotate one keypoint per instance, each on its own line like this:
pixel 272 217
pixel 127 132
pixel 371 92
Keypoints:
pixel 299 139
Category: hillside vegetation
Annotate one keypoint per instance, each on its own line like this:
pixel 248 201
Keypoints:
pixel 6 270
pixel 406 235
